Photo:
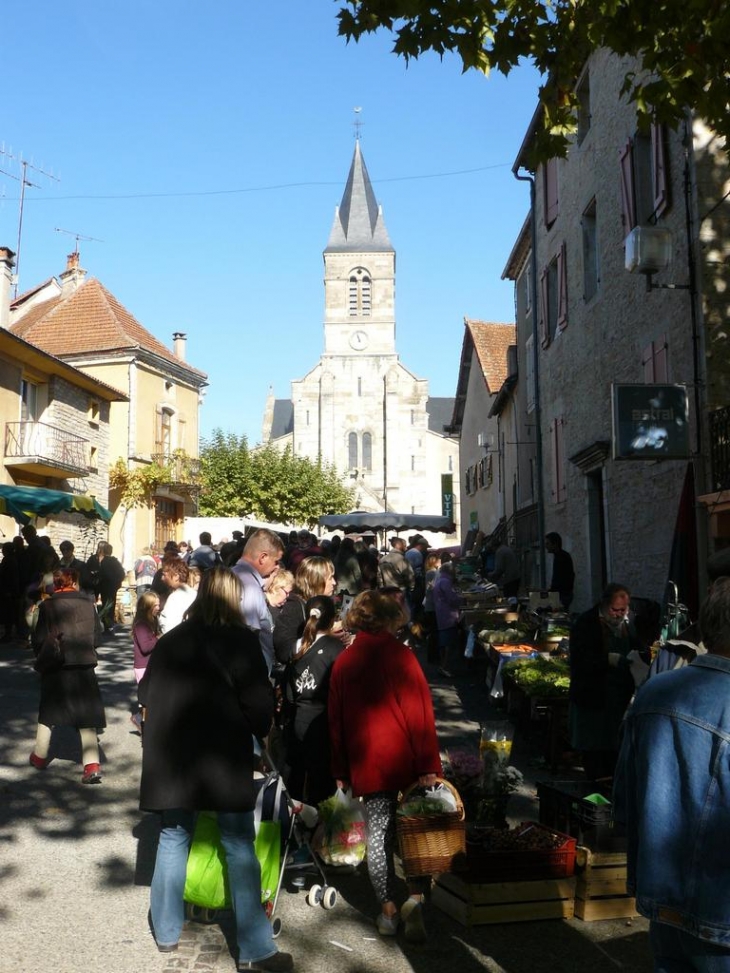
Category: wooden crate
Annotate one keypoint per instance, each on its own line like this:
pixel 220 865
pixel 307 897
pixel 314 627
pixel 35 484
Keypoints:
pixel 600 891
pixel 478 904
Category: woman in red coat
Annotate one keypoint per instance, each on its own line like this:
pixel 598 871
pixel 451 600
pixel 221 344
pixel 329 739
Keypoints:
pixel 382 739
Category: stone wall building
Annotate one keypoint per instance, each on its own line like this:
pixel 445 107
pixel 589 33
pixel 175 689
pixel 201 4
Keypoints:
pixel 585 323
pixel 80 322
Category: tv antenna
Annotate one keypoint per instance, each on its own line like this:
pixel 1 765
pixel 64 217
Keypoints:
pixel 24 183
pixel 77 237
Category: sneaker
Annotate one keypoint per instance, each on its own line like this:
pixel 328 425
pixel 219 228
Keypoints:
pixel 278 963
pixel 387 925
pixel 91 774
pixel 40 763
pixel 412 915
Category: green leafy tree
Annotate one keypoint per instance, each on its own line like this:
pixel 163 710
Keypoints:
pixel 683 45
pixel 266 483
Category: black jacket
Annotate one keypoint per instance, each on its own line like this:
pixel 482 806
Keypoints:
pixel 72 615
pixel 207 694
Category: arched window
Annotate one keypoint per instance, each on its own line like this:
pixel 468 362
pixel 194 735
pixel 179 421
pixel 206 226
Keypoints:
pixel 359 295
pixel 367 451
pixel 352 451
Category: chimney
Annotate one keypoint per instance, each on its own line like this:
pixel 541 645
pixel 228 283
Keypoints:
pixel 178 344
pixel 7 262
pixel 73 276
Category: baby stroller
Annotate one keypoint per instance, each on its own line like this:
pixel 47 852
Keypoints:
pixel 282 844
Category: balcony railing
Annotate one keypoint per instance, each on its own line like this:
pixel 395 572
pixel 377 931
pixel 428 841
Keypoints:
pixel 183 470
pixel 720 449
pixel 45 449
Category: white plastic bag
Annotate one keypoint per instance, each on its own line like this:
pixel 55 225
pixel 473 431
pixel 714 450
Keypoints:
pixel 341 835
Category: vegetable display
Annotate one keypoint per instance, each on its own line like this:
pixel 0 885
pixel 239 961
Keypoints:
pixel 539 677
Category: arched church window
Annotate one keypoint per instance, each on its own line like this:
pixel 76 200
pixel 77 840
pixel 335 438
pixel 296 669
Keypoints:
pixel 367 451
pixel 352 451
pixel 359 295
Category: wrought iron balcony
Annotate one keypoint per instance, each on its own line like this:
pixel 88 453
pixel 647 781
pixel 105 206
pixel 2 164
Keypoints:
pixel 720 449
pixel 183 470
pixel 46 450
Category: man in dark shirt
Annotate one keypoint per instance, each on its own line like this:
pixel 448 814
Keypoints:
pixel 563 572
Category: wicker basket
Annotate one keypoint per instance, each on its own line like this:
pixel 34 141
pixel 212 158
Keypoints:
pixel 431 843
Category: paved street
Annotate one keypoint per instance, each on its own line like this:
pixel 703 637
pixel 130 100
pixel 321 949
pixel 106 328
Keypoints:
pixel 76 862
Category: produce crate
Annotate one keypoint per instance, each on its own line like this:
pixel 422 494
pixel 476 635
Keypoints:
pixel 600 891
pixel 510 865
pixel 478 904
pixel 563 806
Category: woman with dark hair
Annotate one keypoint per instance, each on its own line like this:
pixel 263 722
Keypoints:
pixel 70 695
pixel 314 576
pixel 207 695
pixel 306 735
pixel 601 683
pixel 382 739
pixel 347 568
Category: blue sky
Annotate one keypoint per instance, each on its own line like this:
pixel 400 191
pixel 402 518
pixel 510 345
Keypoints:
pixel 207 146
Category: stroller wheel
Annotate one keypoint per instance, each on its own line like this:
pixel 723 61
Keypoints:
pixel 275 927
pixel 314 895
pixel 329 897
pixel 198 913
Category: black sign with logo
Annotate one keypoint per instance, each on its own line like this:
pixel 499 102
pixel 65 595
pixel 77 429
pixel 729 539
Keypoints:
pixel 650 422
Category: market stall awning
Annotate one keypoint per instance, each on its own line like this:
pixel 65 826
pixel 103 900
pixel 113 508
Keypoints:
pixel 25 502
pixel 386 520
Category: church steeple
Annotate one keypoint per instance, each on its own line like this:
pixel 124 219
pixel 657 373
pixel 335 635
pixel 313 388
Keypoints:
pixel 358 225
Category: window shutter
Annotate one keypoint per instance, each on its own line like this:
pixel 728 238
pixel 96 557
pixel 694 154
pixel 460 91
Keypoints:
pixel 562 276
pixel 647 360
pixel 661 360
pixel 628 196
pixel 550 185
pixel 544 312
pixel 659 169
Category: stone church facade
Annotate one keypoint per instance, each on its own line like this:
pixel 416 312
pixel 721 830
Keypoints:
pixel 359 408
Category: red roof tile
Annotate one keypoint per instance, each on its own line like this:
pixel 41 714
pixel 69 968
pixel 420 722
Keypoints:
pixel 491 341
pixel 91 320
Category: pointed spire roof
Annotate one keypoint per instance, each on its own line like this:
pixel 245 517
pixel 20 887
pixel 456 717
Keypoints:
pixel 358 223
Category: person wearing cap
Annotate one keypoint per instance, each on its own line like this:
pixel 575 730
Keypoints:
pixel 231 551
pixel 416 555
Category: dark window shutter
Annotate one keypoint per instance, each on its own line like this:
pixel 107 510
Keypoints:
pixel 659 173
pixel 661 360
pixel 562 276
pixel 544 310
pixel 550 185
pixel 628 196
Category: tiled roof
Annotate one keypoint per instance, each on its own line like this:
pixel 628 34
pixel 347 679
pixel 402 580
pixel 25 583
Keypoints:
pixel 491 341
pixel 90 321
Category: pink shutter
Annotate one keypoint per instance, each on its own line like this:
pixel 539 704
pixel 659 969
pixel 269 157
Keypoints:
pixel 647 360
pixel 551 191
pixel 544 310
pixel 628 198
pixel 659 169
pixel 661 360
pixel 562 275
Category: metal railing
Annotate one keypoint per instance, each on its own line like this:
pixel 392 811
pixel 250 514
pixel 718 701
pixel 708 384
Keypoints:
pixel 46 443
pixel 720 448
pixel 183 470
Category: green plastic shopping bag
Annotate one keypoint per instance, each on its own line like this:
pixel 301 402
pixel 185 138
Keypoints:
pixel 206 879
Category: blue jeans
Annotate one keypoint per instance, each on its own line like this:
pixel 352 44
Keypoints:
pixel 675 951
pixel 253 930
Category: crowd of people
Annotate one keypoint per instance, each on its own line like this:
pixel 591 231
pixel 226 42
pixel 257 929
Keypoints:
pixel 305 647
